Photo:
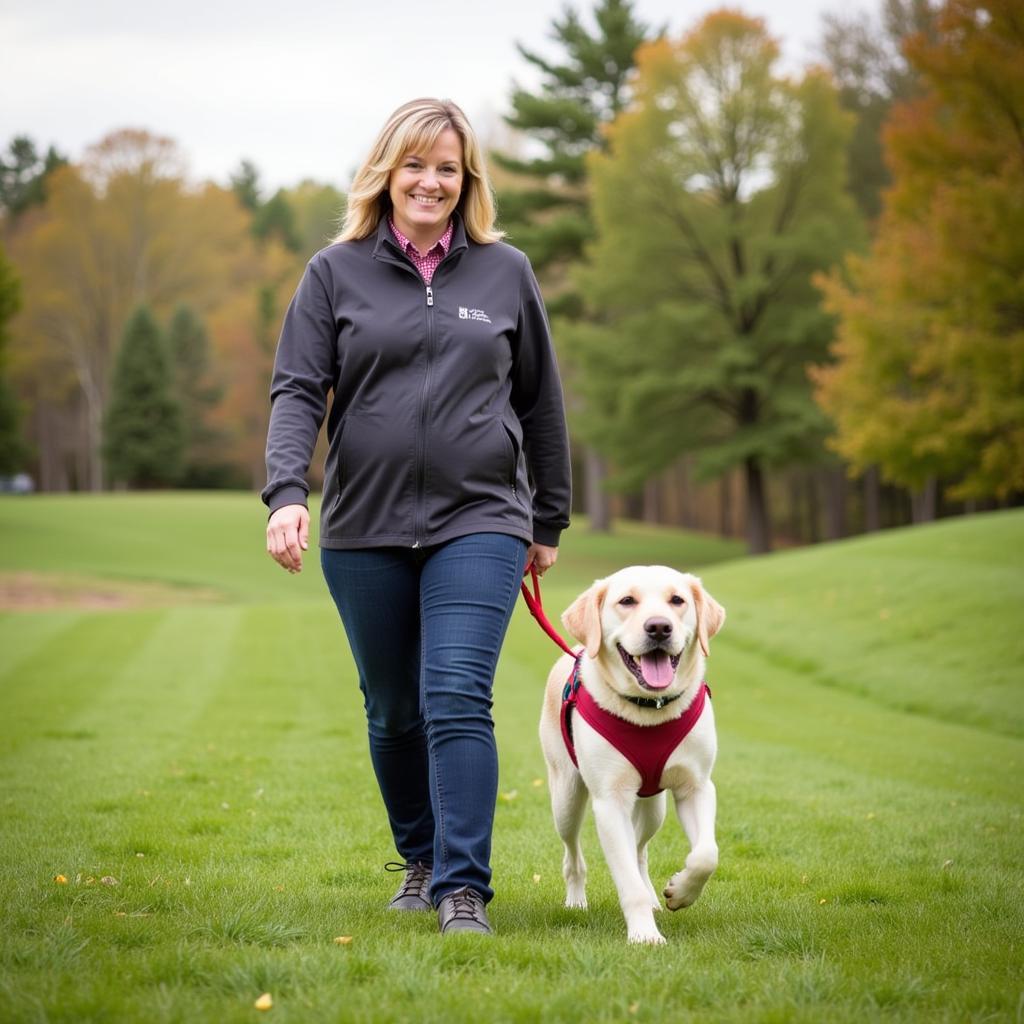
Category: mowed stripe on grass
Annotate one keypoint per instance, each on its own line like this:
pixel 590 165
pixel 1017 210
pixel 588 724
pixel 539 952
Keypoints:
pixel 870 843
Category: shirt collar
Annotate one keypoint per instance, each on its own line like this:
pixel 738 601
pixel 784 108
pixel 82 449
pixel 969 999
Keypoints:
pixel 410 249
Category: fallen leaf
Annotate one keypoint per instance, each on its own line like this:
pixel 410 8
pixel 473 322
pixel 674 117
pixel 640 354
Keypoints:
pixel 109 880
pixel 265 1002
pixel 538 782
pixel 120 913
pixel 343 940
pixel 536 878
pixel 60 879
pixel 946 865
pixel 821 903
pixel 510 795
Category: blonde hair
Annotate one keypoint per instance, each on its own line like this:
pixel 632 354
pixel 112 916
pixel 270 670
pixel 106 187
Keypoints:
pixel 415 127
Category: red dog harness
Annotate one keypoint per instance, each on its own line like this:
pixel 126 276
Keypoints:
pixel 647 747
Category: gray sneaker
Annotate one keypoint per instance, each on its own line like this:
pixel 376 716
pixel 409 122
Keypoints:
pixel 463 911
pixel 413 892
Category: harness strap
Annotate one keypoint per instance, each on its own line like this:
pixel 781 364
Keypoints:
pixel 647 747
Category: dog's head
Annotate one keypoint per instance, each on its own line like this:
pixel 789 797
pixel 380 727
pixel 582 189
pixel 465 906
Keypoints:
pixel 647 619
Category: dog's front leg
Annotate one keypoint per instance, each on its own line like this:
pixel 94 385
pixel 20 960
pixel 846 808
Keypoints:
pixel 613 815
pixel 696 810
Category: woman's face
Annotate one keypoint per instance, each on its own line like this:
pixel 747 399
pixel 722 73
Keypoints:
pixel 425 188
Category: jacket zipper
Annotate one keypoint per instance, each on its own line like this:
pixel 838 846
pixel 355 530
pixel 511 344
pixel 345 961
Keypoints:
pixel 421 467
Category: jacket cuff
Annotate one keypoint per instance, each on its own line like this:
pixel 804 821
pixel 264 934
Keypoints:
pixel 289 495
pixel 546 535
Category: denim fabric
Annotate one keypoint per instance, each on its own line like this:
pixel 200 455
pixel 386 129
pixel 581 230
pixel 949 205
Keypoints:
pixel 425 627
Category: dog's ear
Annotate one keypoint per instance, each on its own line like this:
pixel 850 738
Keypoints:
pixel 583 617
pixel 710 615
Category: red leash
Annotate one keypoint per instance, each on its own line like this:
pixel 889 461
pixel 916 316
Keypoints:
pixel 533 602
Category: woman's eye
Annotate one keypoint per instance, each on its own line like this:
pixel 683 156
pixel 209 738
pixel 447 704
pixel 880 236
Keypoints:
pixel 677 600
pixel 627 601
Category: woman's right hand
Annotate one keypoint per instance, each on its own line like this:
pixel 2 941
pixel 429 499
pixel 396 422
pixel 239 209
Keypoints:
pixel 288 536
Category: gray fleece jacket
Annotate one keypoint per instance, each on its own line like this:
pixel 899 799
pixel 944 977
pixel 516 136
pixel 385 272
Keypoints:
pixel 447 416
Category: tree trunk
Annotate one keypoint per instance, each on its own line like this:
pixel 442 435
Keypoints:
pixel 925 502
pixel 597 503
pixel 651 501
pixel 872 500
pixel 725 505
pixel 835 503
pixel 759 537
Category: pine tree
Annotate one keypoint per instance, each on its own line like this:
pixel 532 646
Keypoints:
pixel 143 438
pixel 582 90
pixel 189 348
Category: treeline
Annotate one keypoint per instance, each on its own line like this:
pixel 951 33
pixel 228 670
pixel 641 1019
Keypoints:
pixel 788 306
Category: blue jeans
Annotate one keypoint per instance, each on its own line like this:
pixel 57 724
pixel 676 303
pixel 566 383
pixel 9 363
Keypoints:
pixel 426 627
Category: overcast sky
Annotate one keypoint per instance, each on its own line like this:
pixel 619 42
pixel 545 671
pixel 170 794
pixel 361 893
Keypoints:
pixel 299 90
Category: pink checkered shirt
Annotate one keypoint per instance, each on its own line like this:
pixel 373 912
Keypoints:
pixel 425 264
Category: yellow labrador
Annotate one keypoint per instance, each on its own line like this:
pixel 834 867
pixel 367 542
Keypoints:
pixel 640 723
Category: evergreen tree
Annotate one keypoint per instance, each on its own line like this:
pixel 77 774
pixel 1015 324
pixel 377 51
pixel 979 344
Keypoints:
pixel 142 429
pixel 12 447
pixel 582 90
pixel 23 174
pixel 189 348
pixel 720 198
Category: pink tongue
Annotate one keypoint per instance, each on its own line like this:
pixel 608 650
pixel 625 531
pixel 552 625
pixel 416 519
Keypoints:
pixel 656 669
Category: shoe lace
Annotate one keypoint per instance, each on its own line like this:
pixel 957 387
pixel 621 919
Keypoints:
pixel 417 876
pixel 466 904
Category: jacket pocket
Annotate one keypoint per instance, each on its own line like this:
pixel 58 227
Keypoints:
pixel 513 465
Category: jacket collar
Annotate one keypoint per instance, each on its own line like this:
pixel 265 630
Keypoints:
pixel 386 246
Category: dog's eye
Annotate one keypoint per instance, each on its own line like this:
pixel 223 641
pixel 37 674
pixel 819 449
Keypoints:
pixel 627 601
pixel 676 600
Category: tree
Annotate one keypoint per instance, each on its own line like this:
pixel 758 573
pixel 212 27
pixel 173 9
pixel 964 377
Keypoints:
pixel 929 374
pixel 721 196
pixel 581 91
pixel 143 439
pixel 872 73
pixel 124 229
pixel 23 175
pixel 12 447
pixel 189 347
pixel 245 183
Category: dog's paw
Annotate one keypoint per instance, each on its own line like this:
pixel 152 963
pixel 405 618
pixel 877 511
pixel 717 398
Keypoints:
pixel 682 890
pixel 646 937
pixel 576 902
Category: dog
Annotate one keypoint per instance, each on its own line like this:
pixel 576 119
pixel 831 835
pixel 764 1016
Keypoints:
pixel 644 632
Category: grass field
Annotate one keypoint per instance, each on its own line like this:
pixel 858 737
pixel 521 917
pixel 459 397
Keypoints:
pixel 178 760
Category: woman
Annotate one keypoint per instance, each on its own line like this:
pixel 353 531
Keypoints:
pixel 447 476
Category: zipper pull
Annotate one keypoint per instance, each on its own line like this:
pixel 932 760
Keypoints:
pixel 430 295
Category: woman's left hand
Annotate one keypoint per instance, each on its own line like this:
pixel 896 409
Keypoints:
pixel 540 556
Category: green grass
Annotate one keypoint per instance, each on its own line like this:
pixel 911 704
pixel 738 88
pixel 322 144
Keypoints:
pixel 211 758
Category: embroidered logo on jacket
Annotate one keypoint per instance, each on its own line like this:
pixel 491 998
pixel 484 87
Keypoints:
pixel 473 314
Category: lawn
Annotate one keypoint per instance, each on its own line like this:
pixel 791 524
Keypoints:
pixel 186 751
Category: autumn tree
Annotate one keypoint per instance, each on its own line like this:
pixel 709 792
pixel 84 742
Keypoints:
pixel 143 437
pixel 12 447
pixel 722 195
pixel 929 375
pixel 125 228
pixel 583 88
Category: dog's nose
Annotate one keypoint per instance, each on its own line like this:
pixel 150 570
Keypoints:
pixel 660 629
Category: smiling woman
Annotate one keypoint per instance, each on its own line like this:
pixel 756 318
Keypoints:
pixel 447 474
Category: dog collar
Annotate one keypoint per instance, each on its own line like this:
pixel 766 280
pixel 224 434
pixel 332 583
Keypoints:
pixel 651 702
